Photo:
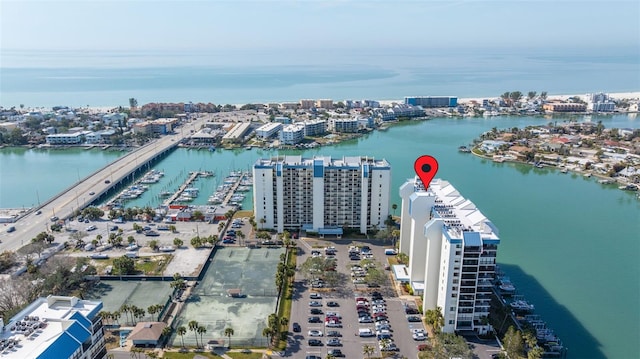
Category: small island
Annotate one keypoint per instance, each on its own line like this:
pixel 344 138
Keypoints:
pixel 587 148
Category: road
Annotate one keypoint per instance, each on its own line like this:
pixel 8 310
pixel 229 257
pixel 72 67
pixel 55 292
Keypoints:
pixel 78 195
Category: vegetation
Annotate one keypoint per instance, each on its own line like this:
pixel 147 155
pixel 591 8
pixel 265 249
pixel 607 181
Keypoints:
pixel 124 266
pixel 446 346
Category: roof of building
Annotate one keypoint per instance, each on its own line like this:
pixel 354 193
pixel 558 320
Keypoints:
pixel 147 331
pixel 346 161
pixel 52 327
pixel 459 214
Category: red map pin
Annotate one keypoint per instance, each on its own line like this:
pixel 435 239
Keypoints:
pixel 426 168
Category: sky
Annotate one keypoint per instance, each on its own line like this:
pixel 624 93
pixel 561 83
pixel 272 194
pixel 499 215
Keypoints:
pixel 278 24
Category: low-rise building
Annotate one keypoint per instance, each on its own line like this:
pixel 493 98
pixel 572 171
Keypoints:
pixel 324 103
pixel 346 125
pixel 314 128
pixel 292 134
pixel 431 101
pixel 67 138
pixel 268 130
pixel 564 107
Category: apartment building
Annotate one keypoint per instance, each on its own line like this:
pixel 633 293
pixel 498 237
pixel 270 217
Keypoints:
pixel 431 101
pixel 321 194
pixel 67 138
pixel 564 107
pixel 292 134
pixel 346 125
pixel 268 130
pixel 315 127
pixel 452 250
pixel 54 327
pixel 324 103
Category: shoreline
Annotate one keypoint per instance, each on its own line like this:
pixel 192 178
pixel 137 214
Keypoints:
pixel 633 95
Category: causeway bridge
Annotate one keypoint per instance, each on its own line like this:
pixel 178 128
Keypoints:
pixel 101 182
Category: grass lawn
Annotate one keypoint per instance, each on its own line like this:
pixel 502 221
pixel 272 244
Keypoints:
pixel 153 265
pixel 189 355
pixel 244 355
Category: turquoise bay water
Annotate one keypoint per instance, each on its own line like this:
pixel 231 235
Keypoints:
pixel 569 244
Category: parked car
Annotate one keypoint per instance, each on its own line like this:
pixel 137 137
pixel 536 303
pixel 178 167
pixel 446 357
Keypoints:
pixel 315 295
pixel 315 311
pixel 335 352
pixel 334 342
pixel 315 333
pixel 333 304
pixel 297 328
pixel 334 333
pixel 419 336
pixel 91 228
pixel 11 229
pixel 314 319
pixel 413 318
pixel 314 343
pixel 365 320
pixel 315 303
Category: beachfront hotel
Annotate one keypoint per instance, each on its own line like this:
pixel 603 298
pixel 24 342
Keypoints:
pixel 321 194
pixel 452 250
pixel 54 327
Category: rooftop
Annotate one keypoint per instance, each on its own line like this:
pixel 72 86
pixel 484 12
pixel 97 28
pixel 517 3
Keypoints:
pixel 460 215
pixel 49 327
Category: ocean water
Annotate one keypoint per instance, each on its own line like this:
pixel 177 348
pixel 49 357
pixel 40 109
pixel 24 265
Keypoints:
pixel 569 244
pixel 97 78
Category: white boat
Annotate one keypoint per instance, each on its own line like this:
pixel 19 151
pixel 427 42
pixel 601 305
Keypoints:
pixel 505 286
pixel 629 187
pixel 522 306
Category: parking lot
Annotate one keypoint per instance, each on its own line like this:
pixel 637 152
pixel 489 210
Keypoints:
pixel 346 318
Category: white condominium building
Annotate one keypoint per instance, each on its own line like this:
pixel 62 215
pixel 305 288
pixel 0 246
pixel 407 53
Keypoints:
pixel 321 194
pixel 292 134
pixel 268 130
pixel 54 328
pixel 452 253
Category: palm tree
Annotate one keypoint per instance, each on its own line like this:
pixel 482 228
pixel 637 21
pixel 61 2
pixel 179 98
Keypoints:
pixel 181 331
pixel 228 331
pixel 125 309
pixel 166 332
pixel 201 330
pixel 262 222
pixel 267 332
pixel 284 321
pixel 367 350
pixel 394 207
pixel 193 326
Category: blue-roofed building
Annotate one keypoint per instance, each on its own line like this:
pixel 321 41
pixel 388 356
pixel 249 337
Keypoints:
pixel 452 250
pixel 321 194
pixel 54 327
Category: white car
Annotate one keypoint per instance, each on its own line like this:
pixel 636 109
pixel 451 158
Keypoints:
pixel 419 336
pixel 315 333
pixel 334 314
pixel 91 228
pixel 315 303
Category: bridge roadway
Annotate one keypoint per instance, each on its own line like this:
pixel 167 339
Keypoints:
pixel 77 196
